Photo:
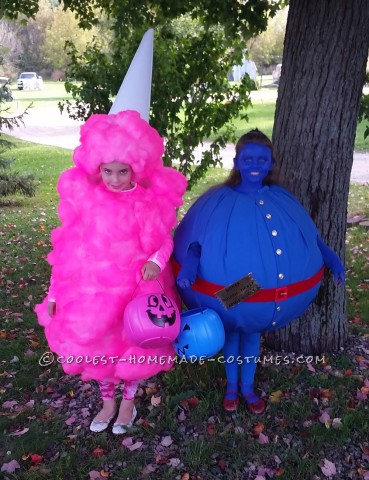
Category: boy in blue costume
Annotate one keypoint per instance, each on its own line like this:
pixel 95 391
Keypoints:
pixel 250 225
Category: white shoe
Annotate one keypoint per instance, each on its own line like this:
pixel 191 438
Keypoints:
pixel 98 426
pixel 121 428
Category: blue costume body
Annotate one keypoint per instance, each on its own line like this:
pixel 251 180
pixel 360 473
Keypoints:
pixel 268 234
pixel 249 227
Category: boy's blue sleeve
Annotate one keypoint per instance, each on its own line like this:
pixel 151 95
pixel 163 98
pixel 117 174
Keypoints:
pixel 188 271
pixel 332 261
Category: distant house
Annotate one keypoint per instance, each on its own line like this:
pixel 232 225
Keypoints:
pixel 248 66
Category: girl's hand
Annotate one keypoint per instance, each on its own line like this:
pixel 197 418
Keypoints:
pixel 51 308
pixel 150 271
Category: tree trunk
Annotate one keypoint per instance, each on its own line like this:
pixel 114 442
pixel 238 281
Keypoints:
pixel 323 73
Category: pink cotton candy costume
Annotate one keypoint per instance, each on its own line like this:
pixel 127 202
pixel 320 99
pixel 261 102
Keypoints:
pixel 101 245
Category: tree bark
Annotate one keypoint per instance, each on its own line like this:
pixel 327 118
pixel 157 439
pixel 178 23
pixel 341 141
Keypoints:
pixel 323 73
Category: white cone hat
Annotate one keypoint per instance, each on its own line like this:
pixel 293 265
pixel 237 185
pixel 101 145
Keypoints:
pixel 135 91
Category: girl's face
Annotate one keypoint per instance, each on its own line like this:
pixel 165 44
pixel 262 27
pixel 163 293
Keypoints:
pixel 116 176
pixel 254 162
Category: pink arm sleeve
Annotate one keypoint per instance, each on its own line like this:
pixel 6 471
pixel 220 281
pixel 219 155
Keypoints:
pixel 161 257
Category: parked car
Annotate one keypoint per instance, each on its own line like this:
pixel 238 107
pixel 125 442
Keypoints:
pixel 30 81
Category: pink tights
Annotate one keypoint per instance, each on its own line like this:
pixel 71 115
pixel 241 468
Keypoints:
pixel 107 389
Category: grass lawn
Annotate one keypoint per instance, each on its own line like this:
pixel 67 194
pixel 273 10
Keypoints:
pixel 317 418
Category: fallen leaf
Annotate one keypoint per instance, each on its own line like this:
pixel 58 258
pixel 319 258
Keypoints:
pixel 182 416
pixel 10 467
pixel 150 468
pixel 263 439
pixel 10 404
pixel 94 475
pixel 193 402
pixel 222 465
pixel 258 428
pixel 275 397
pixel 185 476
pixel 104 474
pixel 337 423
pixel 19 432
pixel 361 396
pixel 328 468
pixel 279 472
pixel 135 446
pixel 212 429
pixel 98 452
pixel 70 420
pixel 326 393
pixel 36 458
pixel 155 401
pixel 365 449
pixel 307 423
pixel 310 368
pixel 126 442
pixel 166 441
pixel 314 393
pixel 326 419
pixel 150 391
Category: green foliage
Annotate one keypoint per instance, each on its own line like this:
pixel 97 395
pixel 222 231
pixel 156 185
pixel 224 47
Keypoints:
pixel 14 8
pixel 13 183
pixel 196 45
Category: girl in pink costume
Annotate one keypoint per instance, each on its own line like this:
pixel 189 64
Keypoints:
pixel 117 210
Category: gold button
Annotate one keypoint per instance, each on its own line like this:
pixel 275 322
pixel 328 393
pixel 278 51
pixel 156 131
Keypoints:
pixel 268 216
pixel 274 233
pixel 281 276
pixel 278 251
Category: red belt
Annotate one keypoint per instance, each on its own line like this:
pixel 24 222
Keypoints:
pixel 263 295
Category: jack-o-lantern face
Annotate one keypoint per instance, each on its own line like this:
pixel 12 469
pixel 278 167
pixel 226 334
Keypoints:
pixel 160 310
pixel 201 334
pixel 144 314
pixel 182 349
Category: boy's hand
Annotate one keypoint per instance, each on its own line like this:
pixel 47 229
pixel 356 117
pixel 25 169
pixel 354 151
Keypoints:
pixel 150 271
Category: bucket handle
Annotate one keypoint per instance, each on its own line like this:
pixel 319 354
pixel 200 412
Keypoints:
pixel 138 284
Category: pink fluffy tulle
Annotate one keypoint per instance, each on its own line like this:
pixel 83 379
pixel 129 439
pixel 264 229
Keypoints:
pixel 99 248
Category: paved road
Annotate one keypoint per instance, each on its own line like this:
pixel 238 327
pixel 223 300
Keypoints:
pixel 49 127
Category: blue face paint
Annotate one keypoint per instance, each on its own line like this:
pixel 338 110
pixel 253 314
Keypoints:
pixel 254 162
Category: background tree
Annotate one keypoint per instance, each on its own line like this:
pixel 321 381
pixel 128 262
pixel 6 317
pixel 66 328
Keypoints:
pixel 195 48
pixel 10 46
pixel 38 44
pixel 61 27
pixel 266 49
pixel 323 73
pixel 13 8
